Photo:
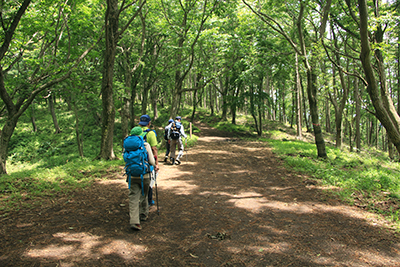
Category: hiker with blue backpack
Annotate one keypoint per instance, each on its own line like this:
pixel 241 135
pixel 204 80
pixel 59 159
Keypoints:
pixel 150 137
pixel 175 134
pixel 139 164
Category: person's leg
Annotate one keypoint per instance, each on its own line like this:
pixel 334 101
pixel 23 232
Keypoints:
pixel 173 150
pixel 167 152
pixel 143 202
pixel 150 196
pixel 134 197
pixel 180 153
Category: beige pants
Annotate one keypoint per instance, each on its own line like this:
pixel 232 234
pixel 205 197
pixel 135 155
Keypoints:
pixel 138 204
pixel 180 148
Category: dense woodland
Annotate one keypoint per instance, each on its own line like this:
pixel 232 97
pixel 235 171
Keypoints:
pixel 321 66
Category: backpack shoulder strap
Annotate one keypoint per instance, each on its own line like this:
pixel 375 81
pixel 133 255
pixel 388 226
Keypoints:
pixel 146 132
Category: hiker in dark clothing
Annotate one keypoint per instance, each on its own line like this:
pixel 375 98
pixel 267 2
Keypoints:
pixel 167 141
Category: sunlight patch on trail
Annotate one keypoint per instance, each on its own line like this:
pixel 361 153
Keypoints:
pixel 180 187
pixel 86 246
pixel 281 247
pixel 212 138
pixel 256 202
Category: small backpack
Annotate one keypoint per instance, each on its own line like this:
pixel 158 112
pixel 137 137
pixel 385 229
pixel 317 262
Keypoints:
pixel 175 131
pixel 166 132
pixel 136 158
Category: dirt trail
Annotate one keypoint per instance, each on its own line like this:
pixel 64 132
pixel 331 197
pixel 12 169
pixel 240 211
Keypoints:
pixel 230 203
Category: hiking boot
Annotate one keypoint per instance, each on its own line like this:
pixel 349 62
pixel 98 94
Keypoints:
pixel 172 161
pixel 177 162
pixel 166 159
pixel 136 227
pixel 143 217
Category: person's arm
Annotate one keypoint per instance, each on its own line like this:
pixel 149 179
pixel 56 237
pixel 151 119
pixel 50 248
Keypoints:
pixel 152 139
pixel 155 153
pixel 183 132
pixel 150 153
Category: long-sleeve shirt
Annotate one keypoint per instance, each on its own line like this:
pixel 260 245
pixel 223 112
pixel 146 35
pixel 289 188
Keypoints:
pixel 181 130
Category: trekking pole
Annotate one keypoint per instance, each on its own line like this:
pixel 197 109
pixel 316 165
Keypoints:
pixel 186 149
pixel 158 208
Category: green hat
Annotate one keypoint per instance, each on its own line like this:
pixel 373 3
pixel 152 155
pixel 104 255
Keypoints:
pixel 136 130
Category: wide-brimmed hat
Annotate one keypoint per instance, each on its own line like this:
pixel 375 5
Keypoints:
pixel 144 120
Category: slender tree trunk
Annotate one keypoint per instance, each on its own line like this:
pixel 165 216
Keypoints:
pixel 350 136
pixel 53 114
pixel 299 129
pixel 108 114
pixel 398 71
pixel 327 115
pixel 224 94
pixel 234 104
pixel 211 101
pixel 126 98
pixel 284 117
pixel 305 117
pixel 358 115
pixel 135 81
pixel 194 101
pixel 33 119
pixel 78 136
pixel 154 100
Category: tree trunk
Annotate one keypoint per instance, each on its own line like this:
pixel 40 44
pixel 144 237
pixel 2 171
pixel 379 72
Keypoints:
pixel 350 136
pixel 33 119
pixel 135 81
pixel 283 101
pixel 299 131
pixel 358 115
pixel 154 101
pixel 234 106
pixel 327 116
pixel 224 95
pixel 108 114
pixel 382 103
pixel 305 117
pixel 5 136
pixel 53 114
pixel 77 132
pixel 312 99
pixel 126 98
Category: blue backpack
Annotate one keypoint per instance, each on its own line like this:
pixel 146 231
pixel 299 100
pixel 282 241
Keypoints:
pixel 136 158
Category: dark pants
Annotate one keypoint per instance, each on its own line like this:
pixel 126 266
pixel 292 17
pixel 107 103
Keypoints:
pixel 150 195
pixel 168 149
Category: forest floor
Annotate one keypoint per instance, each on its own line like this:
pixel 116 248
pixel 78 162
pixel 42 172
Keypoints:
pixel 230 203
